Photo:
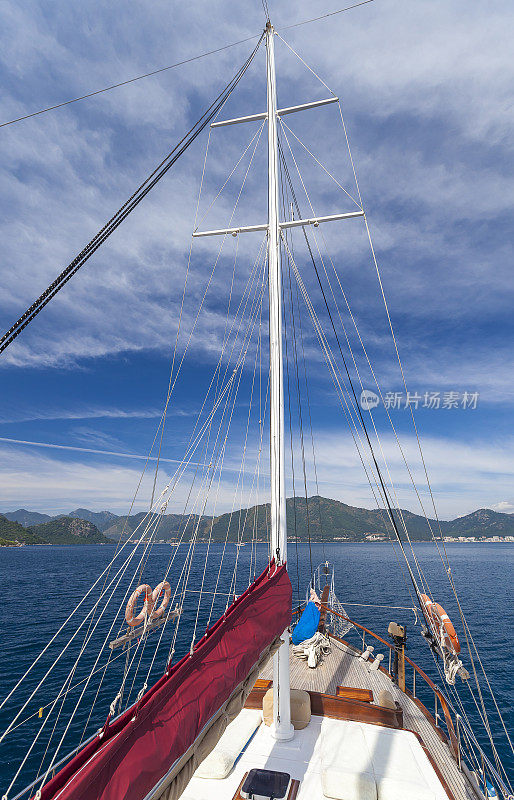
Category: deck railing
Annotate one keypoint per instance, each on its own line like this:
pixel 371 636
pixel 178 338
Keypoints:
pixel 456 730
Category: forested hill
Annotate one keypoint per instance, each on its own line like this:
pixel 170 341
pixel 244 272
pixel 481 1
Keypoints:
pixel 318 517
pixel 60 530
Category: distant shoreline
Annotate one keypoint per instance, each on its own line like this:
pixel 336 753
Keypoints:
pixel 246 544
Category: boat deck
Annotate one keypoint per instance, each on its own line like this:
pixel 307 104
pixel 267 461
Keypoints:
pixel 343 667
pixel 302 759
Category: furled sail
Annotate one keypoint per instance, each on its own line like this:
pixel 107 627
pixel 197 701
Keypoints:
pixel 153 748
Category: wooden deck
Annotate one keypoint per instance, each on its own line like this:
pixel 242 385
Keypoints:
pixel 342 667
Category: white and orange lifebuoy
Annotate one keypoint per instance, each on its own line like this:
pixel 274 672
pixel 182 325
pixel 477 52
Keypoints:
pixel 147 609
pixel 162 588
pixel 442 625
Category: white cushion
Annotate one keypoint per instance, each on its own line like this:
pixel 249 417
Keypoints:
pixel 348 785
pixel 346 764
pixel 220 761
pixel 361 761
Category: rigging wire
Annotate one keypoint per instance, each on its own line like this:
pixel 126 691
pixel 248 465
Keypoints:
pixel 130 558
pixel 300 327
pixel 141 642
pixel 128 81
pixel 179 63
pixel 361 418
pixel 290 418
pixel 466 629
pixel 231 514
pixel 261 252
pixel 242 527
pixel 122 570
pixel 171 382
pixel 447 568
pixel 253 317
pixel 300 417
pixel 325 347
pixel 253 546
pixel 121 536
pixel 345 406
pixel 283 125
pixel 265 9
pixel 324 16
pixel 248 287
pixel 329 356
pixel 360 338
pixel 129 205
pixel 229 303
pixel 297 382
pixel 307 394
pixel 75 686
pixel 241 189
pixel 240 479
pixel 179 325
pixel 216 461
pixel 118 576
pixel 398 507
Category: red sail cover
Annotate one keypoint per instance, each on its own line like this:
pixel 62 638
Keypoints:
pixel 134 754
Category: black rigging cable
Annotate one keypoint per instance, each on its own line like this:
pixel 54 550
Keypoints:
pixel 361 418
pixel 127 207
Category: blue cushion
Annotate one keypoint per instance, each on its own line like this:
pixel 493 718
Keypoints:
pixel 307 625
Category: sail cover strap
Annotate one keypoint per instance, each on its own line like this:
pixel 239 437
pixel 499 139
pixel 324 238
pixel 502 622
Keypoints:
pixel 141 746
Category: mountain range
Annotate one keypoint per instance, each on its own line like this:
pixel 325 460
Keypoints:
pixel 317 517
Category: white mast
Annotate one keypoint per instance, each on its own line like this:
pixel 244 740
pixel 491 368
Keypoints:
pixel 282 728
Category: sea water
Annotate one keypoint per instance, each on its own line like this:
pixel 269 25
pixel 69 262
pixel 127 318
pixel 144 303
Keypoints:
pixel 43 584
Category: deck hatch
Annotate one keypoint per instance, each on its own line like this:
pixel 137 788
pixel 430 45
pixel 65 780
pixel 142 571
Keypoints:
pixel 265 784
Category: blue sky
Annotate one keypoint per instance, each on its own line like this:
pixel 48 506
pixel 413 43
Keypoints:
pixel 426 90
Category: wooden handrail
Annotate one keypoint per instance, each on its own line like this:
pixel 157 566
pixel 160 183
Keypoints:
pixel 428 681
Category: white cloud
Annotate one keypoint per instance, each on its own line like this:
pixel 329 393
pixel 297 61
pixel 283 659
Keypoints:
pixel 465 475
pixel 77 413
pixel 504 506
pixel 67 171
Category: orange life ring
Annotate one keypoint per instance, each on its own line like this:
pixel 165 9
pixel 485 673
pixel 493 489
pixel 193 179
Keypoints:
pixel 159 589
pixel 442 625
pixel 132 620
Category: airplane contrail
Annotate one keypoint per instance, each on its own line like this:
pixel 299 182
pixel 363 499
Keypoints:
pixel 96 452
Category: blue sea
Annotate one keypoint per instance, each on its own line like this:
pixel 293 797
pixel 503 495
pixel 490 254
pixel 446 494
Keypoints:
pixel 42 585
